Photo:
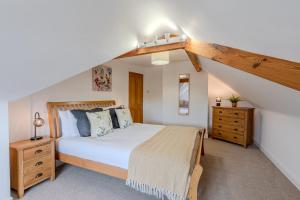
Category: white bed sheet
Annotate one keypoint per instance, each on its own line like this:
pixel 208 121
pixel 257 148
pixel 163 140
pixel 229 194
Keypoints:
pixel 112 149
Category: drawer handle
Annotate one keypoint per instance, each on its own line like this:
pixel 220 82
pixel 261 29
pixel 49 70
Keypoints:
pixel 220 126
pixel 236 121
pixel 235 137
pixel 220 119
pixel 236 113
pixel 219 133
pixel 236 129
pixel 39 163
pixel 39 175
pixel 220 112
pixel 38 151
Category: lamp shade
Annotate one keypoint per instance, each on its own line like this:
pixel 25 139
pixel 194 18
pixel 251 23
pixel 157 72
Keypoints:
pixel 38 121
pixel 161 58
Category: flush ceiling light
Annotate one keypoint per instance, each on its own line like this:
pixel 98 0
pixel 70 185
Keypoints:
pixel 161 58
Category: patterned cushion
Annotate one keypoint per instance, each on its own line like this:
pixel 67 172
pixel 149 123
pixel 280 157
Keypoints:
pixel 124 117
pixel 83 123
pixel 101 123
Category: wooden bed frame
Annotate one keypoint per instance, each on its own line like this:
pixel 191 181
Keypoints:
pixel 55 132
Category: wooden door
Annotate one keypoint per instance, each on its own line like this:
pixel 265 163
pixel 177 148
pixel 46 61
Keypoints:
pixel 136 96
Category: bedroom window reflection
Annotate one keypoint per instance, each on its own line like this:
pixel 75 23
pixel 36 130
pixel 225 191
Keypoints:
pixel 184 94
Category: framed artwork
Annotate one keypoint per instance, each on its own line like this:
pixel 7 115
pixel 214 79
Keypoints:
pixel 102 78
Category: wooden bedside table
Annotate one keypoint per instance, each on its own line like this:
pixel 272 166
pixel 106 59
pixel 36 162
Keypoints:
pixel 31 162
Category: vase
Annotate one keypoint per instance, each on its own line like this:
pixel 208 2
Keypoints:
pixel 234 104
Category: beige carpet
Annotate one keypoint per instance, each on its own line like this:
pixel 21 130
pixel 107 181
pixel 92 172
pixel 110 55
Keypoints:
pixel 230 173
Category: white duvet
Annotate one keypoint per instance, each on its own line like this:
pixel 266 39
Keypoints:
pixel 112 149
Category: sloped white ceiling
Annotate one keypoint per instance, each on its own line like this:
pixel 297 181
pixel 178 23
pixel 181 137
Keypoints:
pixel 263 93
pixel 44 42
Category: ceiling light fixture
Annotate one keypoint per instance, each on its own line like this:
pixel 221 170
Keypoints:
pixel 161 58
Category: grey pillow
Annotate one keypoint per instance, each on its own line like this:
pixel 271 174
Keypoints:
pixel 114 117
pixel 83 124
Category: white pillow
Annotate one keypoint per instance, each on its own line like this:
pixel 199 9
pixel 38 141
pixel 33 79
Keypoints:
pixel 124 117
pixel 68 124
pixel 101 123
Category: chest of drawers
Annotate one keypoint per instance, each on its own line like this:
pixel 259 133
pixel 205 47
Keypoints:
pixel 30 163
pixel 233 124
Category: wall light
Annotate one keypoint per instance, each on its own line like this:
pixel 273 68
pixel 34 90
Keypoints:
pixel 161 58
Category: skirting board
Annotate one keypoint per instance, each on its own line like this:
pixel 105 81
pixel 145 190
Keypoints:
pixel 278 165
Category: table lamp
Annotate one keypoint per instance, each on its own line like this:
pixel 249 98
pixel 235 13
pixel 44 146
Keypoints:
pixel 38 122
pixel 218 101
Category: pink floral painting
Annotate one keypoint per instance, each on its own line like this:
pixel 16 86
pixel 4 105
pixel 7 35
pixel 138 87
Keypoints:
pixel 102 78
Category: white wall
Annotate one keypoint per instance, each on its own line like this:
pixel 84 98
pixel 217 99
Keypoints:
pixel 4 153
pixel 76 88
pixel 198 95
pixel 153 91
pixel 279 140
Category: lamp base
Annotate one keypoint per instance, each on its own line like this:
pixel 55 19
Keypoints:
pixel 36 138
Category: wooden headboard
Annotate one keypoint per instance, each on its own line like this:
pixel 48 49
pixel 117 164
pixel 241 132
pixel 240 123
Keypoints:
pixel 54 107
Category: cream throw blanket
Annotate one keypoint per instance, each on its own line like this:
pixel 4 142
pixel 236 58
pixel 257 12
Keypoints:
pixel 160 166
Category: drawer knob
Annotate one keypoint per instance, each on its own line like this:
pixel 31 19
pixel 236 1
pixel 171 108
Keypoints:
pixel 220 126
pixel 39 175
pixel 38 151
pixel 220 112
pixel 39 163
pixel 236 121
pixel 236 113
pixel 235 137
pixel 220 119
pixel 219 133
pixel 236 129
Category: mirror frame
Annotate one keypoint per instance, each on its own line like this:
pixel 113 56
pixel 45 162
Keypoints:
pixel 189 95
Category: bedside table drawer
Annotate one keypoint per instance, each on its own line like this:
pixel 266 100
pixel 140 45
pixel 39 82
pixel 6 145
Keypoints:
pixel 31 166
pixel 36 177
pixel 36 152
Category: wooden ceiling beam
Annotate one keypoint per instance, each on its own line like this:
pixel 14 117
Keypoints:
pixel 195 60
pixel 274 69
pixel 154 49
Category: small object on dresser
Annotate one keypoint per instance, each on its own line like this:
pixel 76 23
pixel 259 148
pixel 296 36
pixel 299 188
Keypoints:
pixel 233 124
pixel 218 101
pixel 38 122
pixel 234 100
pixel 31 162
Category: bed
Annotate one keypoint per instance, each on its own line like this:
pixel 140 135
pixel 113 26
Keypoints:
pixel 110 154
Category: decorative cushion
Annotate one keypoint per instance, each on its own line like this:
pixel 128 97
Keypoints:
pixel 124 117
pixel 101 123
pixel 68 124
pixel 114 116
pixel 83 123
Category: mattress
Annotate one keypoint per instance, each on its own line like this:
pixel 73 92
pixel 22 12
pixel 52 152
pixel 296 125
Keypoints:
pixel 112 149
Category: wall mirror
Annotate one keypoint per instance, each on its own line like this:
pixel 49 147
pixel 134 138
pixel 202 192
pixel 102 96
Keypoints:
pixel 184 94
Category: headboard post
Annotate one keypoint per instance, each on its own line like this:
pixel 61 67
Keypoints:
pixel 55 107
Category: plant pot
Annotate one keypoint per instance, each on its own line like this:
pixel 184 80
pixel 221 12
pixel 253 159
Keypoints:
pixel 234 104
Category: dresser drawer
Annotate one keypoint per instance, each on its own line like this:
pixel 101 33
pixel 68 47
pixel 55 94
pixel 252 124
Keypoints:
pixel 239 139
pixel 35 177
pixel 230 113
pixel 229 128
pixel 38 164
pixel 37 152
pixel 230 121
